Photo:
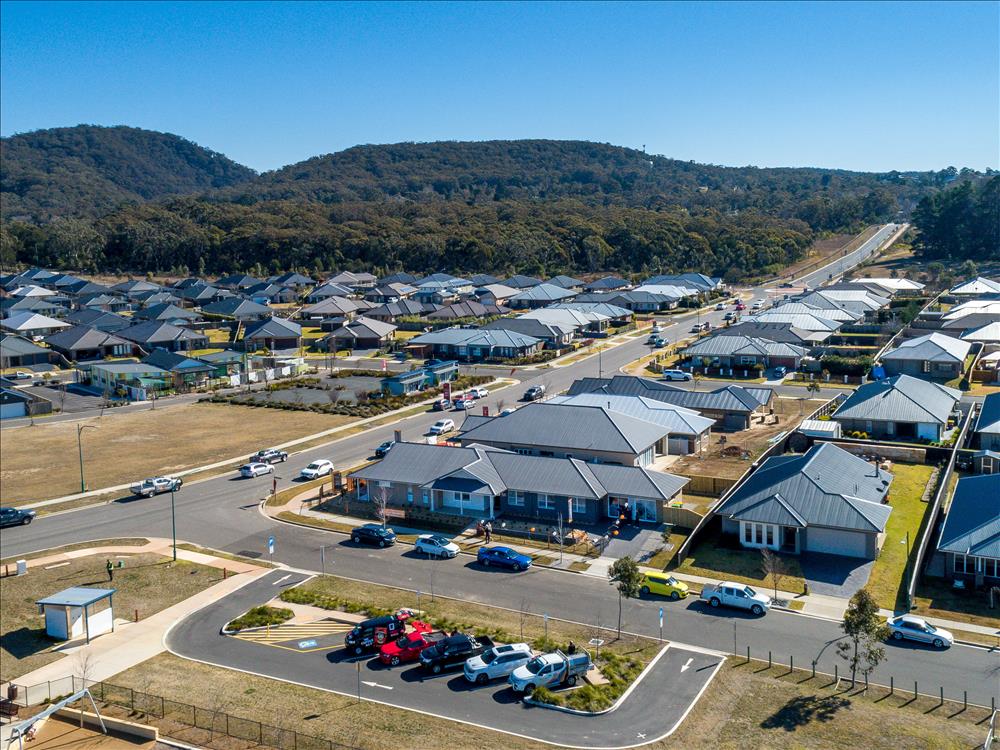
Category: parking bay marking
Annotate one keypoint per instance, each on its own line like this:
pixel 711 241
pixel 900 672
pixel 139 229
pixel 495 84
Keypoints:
pixel 687 664
pixel 375 684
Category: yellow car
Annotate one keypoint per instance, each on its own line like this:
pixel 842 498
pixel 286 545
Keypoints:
pixel 664 585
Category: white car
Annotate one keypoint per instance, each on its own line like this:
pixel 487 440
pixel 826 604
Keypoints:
pixel 317 469
pixel 676 375
pixel 255 470
pixel 436 545
pixel 442 426
pixel 497 662
pixel 657 328
pixel 918 629
pixel 757 304
pixel 479 392
pixel 19 375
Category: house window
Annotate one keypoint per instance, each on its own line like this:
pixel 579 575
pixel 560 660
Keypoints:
pixel 514 497
pixel 990 565
pixel 579 505
pixel 770 535
pixel 409 494
pixel 523 451
pixel 748 360
pixel 545 502
pixel 925 366
pixel 426 496
pixel 383 483
pixel 748 533
pixel 964 565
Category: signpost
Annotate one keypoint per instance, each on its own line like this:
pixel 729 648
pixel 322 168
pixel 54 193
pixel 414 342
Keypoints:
pixel 270 548
pixel 661 624
pixel 446 391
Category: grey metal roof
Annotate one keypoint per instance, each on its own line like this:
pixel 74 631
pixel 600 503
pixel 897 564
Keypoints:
pixel 698 280
pixel 934 347
pixel 550 476
pixel 988 421
pixel 236 306
pixel 482 279
pixel 105 321
pixel 728 346
pixel 29 321
pixel 543 292
pixel 830 313
pixel 539 329
pixel 336 305
pixel 129 368
pixel 826 486
pixel 989 333
pixel 476 337
pixel 781 332
pixel 175 362
pixel 972 526
pixel 607 283
pixel 83 337
pixel 520 281
pixel 602 308
pixel 676 419
pixel 729 398
pixel 364 328
pixel 403 307
pixel 465 309
pixel 900 399
pixel 570 428
pixel 978 285
pixel 155 331
pixel 15 346
pixel 566 282
pixel 273 328
pixel 418 463
pixel 165 311
pixel 636 480
pixel 805 321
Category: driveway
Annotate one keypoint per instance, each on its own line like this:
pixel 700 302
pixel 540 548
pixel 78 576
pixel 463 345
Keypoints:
pixel 834 575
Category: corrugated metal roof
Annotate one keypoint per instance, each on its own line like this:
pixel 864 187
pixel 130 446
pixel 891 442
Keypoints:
pixel 542 293
pixel 728 346
pixel 273 327
pixel 988 421
pixel 826 486
pixel 900 399
pixel 476 337
pixel 730 398
pixel 634 480
pixel 934 347
pixel 805 321
pixel 676 419
pixel 972 526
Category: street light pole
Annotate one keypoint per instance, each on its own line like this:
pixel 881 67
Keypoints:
pixel 79 445
pixel 173 522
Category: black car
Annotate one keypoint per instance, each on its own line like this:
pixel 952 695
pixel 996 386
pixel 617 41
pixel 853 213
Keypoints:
pixel 371 634
pixel 384 448
pixel 16 517
pixel 372 533
pixel 534 393
pixel 453 651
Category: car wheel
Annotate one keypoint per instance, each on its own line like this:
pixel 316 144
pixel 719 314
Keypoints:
pixel 394 661
pixel 644 591
pixel 381 542
pixel 26 521
pixel 436 669
pixel 674 596
pixel 896 635
pixel 757 609
pixel 938 643
pixel 714 601
pixel 482 679
pixel 529 689
pixel 517 567
pixel 571 680
pixel 356 539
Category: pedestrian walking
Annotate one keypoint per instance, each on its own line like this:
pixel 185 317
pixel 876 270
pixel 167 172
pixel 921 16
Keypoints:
pixel 488 528
pixel 110 567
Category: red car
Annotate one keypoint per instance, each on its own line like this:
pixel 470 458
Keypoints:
pixel 408 647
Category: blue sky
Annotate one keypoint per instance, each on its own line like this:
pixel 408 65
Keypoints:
pixel 852 85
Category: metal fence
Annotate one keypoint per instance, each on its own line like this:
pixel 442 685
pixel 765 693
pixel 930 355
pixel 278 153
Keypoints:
pixel 991 733
pixel 215 722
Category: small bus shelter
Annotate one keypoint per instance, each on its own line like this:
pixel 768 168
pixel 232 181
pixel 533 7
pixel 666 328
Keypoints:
pixel 78 611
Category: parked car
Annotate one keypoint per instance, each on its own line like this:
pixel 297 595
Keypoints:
pixel 780 371
pixel 918 629
pixel 435 545
pixel 550 670
pixel 503 557
pixel 479 392
pixel 660 343
pixel 506 412
pixel 317 469
pixel 720 306
pixel 269 456
pixel 16 516
pixel 453 652
pixel 663 585
pixel 408 647
pixel 497 662
pixel 757 304
pixel 657 328
pixel 156 485
pixel 373 533
pixel 442 404
pixel 442 426
pixel 730 316
pixel 256 469
pixel 384 448
pixel 21 375
pixel 461 404
pixel 696 328
pixel 675 375
pixel 534 393
pixel 736 595
pixel 371 634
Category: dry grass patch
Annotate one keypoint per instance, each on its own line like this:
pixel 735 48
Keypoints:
pixel 40 462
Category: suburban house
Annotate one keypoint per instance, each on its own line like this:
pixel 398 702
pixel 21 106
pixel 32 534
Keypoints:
pixel 14 403
pixel 327 290
pixel 555 335
pixel 168 313
pixel 42 305
pixel 466 309
pixel 238 281
pixel 698 281
pixel 102 321
pixel 293 280
pixel 32 324
pixel 112 376
pixel 185 371
pixel 590 433
pixel 481 482
pixel 520 281
pixel 567 282
pixel 432 374
pixel 272 333
pixel 405 308
pixel 154 333
pixel 733 407
pixel 200 294
pixel 483 279
pixel 334 307
pixel 539 295
pixel 19 352
pixel 976 286
pixel 226 362
pixel 741 352
pixel 238 309
pixel 607 284
pixel 357 281
pixel 471 344
pixel 825 500
pixel 615 314
pixel 402 277
pixel 988 335
pixel 899 408
pixel 583 321
pixel 82 343
pixel 132 288
pixel 269 292
pixel 361 333
pixel 782 333
pixel 494 294
pixel 987 430
pixel 393 292
pixel 105 302
pixel 934 356
pixel 634 300
pixel 970 538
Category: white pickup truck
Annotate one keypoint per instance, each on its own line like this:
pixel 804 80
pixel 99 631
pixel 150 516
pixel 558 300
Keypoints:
pixel 736 595
pixel 156 485
pixel 550 670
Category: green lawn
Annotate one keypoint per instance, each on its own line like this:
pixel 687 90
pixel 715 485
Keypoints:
pixel 721 559
pixel 888 579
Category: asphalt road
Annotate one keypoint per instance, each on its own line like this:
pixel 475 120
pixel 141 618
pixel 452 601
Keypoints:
pixel 448 695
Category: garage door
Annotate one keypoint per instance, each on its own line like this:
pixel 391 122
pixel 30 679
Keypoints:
pixel 835 542
pixel 678 446
pixel 10 411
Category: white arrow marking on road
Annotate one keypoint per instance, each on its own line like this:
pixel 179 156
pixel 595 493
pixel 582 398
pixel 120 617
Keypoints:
pixel 284 578
pixel 375 684
pixel 687 664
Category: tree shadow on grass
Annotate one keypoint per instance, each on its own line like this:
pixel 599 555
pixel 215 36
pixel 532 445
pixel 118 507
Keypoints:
pixel 804 710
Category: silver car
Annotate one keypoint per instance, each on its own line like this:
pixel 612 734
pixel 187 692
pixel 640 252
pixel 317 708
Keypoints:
pixel 918 629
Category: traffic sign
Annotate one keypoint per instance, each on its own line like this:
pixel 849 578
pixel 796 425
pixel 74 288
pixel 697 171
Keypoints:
pixel 270 545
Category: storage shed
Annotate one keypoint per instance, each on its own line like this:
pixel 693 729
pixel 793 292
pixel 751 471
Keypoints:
pixel 76 612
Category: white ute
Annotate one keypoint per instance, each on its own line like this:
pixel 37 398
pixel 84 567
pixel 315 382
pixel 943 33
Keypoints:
pixel 550 670
pixel 156 485
pixel 736 595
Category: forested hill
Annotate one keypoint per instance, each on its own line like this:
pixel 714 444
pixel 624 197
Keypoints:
pixel 595 173
pixel 88 171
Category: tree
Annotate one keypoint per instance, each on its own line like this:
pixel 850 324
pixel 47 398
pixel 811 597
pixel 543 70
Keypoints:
pixel 380 501
pixel 773 567
pixel 813 387
pixel 625 574
pixel 866 631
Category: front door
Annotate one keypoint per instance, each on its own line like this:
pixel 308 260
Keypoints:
pixel 788 538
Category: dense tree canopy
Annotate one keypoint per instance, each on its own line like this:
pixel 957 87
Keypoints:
pixel 961 223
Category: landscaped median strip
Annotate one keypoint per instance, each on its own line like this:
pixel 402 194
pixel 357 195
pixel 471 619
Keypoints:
pixel 351 427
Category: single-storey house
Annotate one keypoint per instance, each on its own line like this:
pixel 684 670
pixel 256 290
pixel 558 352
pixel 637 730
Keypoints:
pixel 135 287
pixel 520 281
pixel 358 281
pixel 269 292
pixel 582 321
pixel 615 314
pixel 472 344
pixel 401 276
pixel 333 307
pixel 168 313
pixel 899 408
pixel 392 292
pixel 733 407
pixel 481 482
pixel 102 321
pixel 272 333
pixel 226 362
pixel 567 282
pixel 555 335
pixel 111 376
pixel 185 371
pixel 201 293
pixel 739 352
pixel 466 309
pixel 42 305
pixel 825 500
pixel 782 333
pixel 987 429
pixel 327 290
pixel 105 302
pixel 439 372
pixel 14 403
pixel 361 333
pixel 970 537
pixel 154 333
pixel 19 352
pixel 635 300
pixel 82 343
pixel 292 279
pixel 238 281
pixel 32 324
pixel 988 335
pixel 405 308
pixel 607 284
pixel 934 356
pixel 495 294
pixel 698 281
pixel 239 309
pixel 975 287
pixel 483 279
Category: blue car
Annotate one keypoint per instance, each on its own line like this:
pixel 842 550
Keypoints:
pixel 505 557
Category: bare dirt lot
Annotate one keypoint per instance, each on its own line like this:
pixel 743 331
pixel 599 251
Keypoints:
pixel 41 462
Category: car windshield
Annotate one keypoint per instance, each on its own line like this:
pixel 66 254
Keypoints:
pixel 413 639
pixel 928 627
pixel 535 665
pixel 314 465
pixel 672 581
pixel 489 656
pixel 750 591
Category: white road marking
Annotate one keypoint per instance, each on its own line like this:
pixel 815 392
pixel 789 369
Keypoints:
pixel 375 684
pixel 283 578
pixel 640 736
pixel 687 664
